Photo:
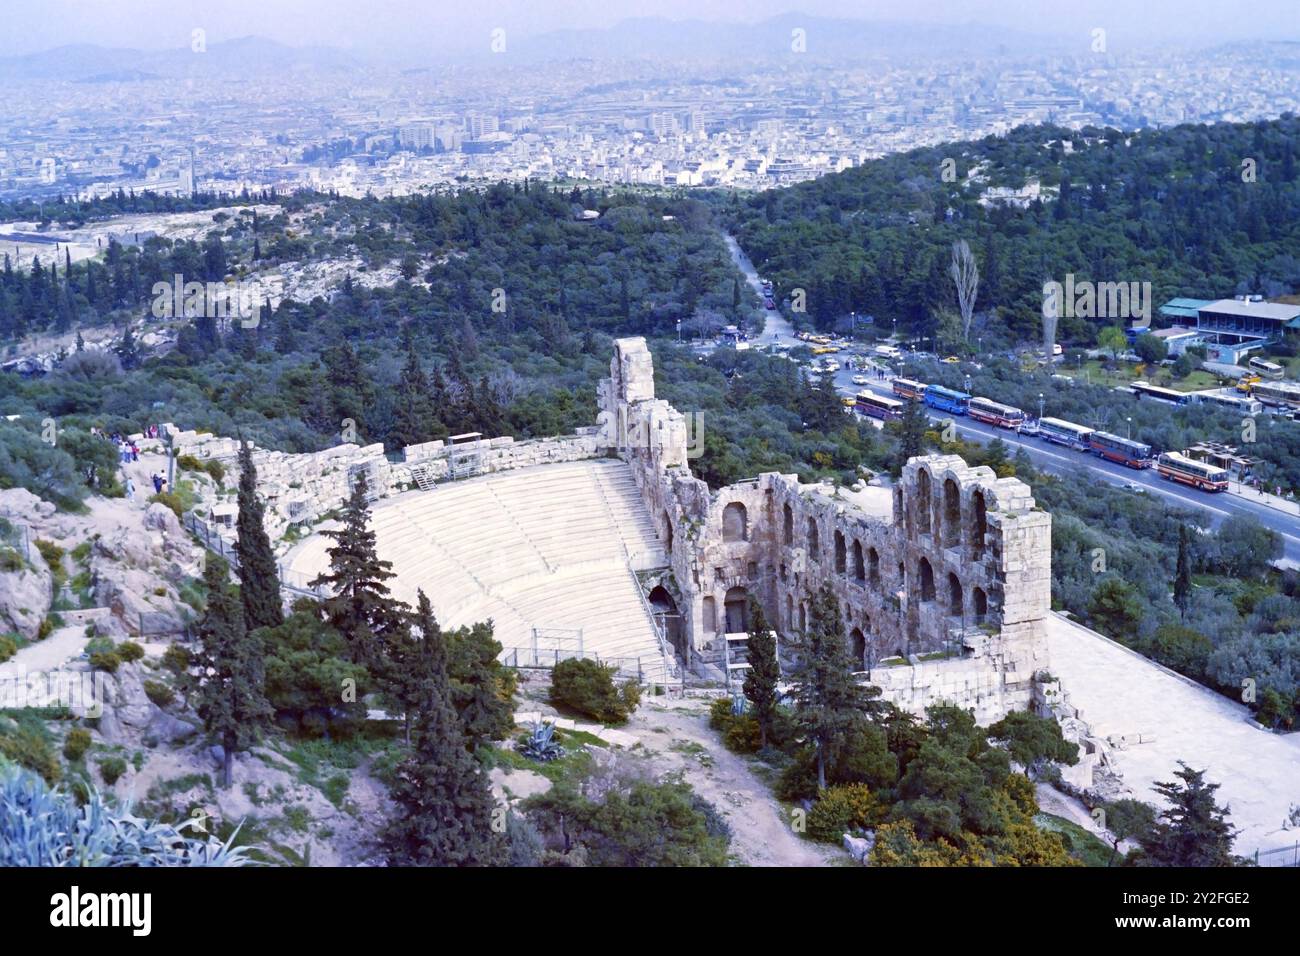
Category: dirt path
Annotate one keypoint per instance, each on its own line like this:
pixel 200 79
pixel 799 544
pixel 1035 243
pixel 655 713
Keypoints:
pixel 679 735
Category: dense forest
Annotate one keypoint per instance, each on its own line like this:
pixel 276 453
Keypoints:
pixel 1196 210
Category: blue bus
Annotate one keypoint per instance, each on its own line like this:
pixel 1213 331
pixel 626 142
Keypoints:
pixel 936 396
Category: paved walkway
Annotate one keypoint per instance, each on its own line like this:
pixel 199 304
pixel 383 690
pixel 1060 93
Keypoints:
pixel 1285 505
pixel 1120 692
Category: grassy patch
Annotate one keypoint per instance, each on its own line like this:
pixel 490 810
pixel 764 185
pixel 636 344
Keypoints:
pixel 1085 846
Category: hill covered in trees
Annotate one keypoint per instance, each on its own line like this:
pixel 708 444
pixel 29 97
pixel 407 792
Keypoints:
pixel 1196 210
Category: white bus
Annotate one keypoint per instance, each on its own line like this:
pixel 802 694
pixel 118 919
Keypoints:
pixel 1264 368
pixel 1246 406
pixel 1061 432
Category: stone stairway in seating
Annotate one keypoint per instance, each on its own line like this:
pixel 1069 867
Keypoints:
pixel 545 547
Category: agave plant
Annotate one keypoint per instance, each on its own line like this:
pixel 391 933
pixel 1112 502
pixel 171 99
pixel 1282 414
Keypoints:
pixel 540 744
pixel 44 826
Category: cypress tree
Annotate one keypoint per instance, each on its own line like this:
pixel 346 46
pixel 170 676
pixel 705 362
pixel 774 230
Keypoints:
pixel 359 606
pixel 764 671
pixel 832 707
pixel 259 580
pixel 230 689
pixel 447 812
pixel 1183 578
pixel 911 440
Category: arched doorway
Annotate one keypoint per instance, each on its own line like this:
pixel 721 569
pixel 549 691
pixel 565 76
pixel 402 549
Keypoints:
pixel 814 541
pixel 981 602
pixel 923 501
pixel 954 595
pixel 951 514
pixel 735 522
pixel 787 525
pixel 736 610
pixel 927 580
pixel 841 553
pixel 664 608
pixel 980 525
pixel 858 647
pixel 859 569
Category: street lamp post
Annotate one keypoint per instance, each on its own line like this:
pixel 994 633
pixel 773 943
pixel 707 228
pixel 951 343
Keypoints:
pixel 1040 406
pixel 679 331
pixel 1129 433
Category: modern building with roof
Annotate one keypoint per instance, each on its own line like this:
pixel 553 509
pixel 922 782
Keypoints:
pixel 1229 328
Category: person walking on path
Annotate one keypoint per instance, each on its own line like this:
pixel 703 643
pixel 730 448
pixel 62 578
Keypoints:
pixel 130 490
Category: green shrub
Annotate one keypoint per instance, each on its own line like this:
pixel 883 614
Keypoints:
pixel 588 687
pixel 843 808
pixel 129 651
pixel 46 628
pixel 25 740
pixel 176 659
pixel 740 733
pixel 76 743
pixel 11 560
pixel 99 644
pixel 105 661
pixel 53 556
pixel 8 647
pixel 171 500
pixel 111 769
pixel 159 693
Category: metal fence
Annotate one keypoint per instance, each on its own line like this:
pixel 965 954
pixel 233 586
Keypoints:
pixel 1281 856
pixel 626 668
pixel 293 581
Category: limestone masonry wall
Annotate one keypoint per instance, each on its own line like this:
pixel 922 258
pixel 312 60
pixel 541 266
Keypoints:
pixel 944 581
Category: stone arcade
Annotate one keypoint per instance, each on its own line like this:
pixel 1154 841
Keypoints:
pixel 944 584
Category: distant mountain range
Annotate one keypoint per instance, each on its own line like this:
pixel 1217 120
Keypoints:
pixel 87 63
pixel 647 38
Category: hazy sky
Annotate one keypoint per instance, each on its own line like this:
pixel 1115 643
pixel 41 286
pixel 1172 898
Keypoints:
pixel 446 25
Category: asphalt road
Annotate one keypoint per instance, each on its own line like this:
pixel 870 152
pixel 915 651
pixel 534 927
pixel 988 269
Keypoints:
pixel 1060 460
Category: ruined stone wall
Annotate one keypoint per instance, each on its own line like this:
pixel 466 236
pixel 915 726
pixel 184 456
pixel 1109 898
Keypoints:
pixel 300 488
pixel 943 581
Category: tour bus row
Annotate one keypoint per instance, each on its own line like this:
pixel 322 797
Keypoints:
pixel 1171 466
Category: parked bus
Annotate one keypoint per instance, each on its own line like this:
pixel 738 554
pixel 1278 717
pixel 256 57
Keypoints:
pixel 1173 466
pixel 906 388
pixel 1123 450
pixel 1145 390
pixel 995 413
pixel 879 406
pixel 1279 394
pixel 946 399
pixel 1265 368
pixel 1246 406
pixel 1060 432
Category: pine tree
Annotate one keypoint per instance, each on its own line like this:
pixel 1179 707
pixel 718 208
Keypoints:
pixel 359 606
pixel 1193 830
pixel 831 705
pixel 1183 578
pixel 230 692
pixel 259 579
pixel 447 813
pixel 764 671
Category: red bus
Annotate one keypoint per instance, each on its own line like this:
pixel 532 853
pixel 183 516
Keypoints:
pixel 879 406
pixel 1175 467
pixel 995 413
pixel 906 388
